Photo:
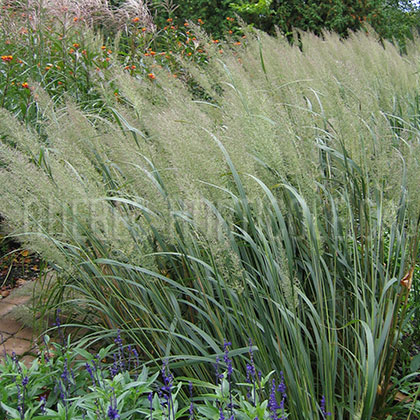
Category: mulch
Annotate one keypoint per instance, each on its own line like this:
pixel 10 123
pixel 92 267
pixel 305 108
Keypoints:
pixel 17 266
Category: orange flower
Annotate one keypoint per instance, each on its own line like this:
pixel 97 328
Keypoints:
pixel 186 24
pixel 103 47
pixel 25 85
pixel 84 52
pixel 200 21
pixel 107 59
pixel 136 19
pixel 133 67
pixel 127 68
pixel 215 41
pixel 7 58
pixel 48 68
pixel 151 76
pixel 75 19
pixel 230 31
pixel 71 51
pixel 146 54
pixel 172 27
pixel 152 53
pixel 169 20
pixel 190 54
pixel 143 29
pixel 237 43
pixel 60 83
pixel 109 51
pixel 221 51
pixel 75 45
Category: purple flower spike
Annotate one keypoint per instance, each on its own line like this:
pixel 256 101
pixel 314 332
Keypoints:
pixel 58 325
pixel 57 318
pixel 282 385
pixel 90 372
pixel 222 416
pixel 251 373
pixel 167 378
pixel 219 376
pixel 226 350
pixel 113 413
pixel 228 362
pixel 43 404
pixel 323 410
pixel 272 402
pixel 150 398
pixel 112 410
pixel 119 343
pixel 114 369
pixel 227 359
pixel 166 389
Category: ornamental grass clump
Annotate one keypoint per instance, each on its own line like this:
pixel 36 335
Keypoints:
pixel 284 208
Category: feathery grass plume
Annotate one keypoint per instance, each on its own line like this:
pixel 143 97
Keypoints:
pixel 92 13
pixel 304 169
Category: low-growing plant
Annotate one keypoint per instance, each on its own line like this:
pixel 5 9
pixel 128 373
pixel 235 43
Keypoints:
pixel 68 382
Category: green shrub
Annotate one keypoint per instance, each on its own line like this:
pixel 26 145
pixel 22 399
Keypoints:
pixel 391 19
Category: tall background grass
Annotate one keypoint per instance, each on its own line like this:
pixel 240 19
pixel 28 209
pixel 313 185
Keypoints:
pixel 281 208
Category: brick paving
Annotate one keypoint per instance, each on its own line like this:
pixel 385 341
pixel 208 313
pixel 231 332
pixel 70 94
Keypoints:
pixel 15 337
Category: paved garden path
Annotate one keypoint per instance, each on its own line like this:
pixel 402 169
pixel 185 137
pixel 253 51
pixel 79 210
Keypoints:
pixel 14 336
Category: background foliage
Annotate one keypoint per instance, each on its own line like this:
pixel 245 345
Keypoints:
pixel 389 18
